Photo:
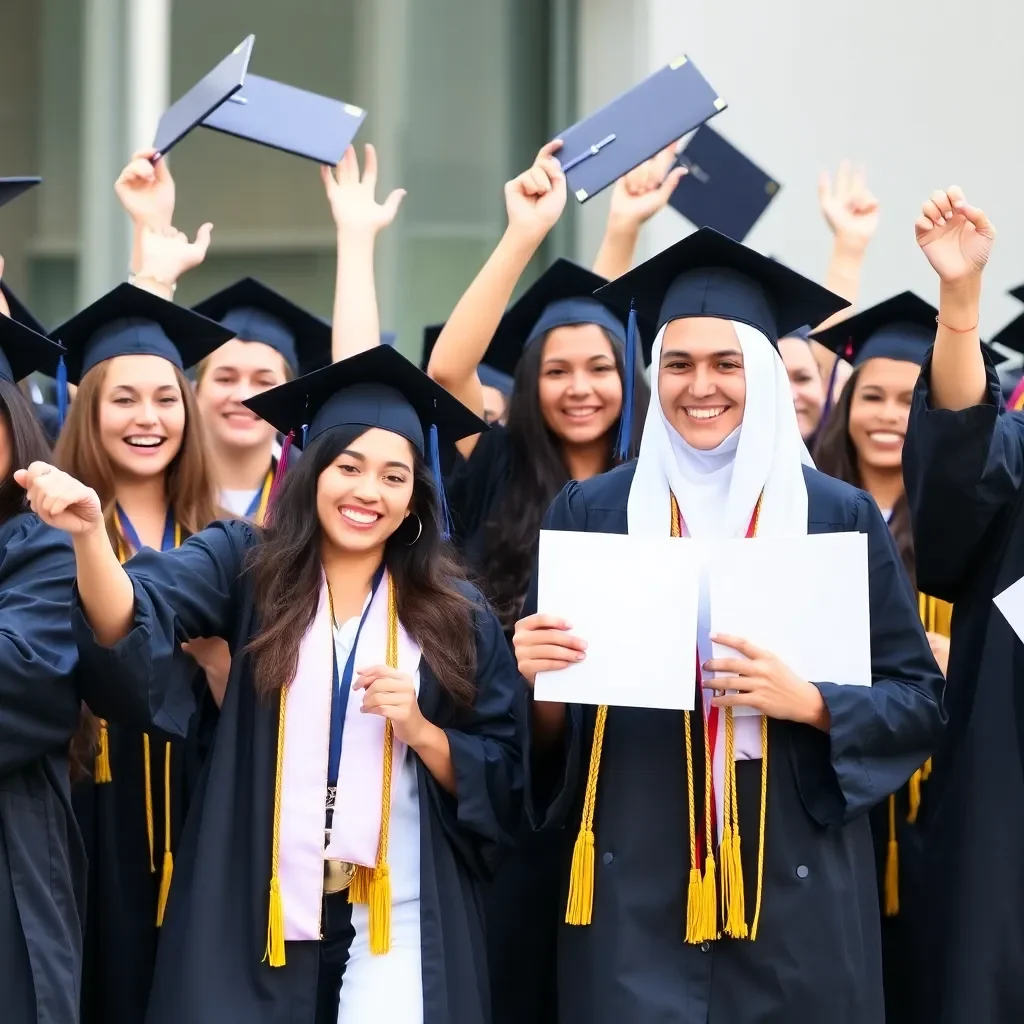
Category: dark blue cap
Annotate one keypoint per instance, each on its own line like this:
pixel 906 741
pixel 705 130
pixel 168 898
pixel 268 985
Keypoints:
pixel 11 188
pixel 131 321
pixel 1018 292
pixel 289 119
pixel 489 376
pixel 803 333
pixel 663 108
pixel 1011 336
pixel 203 98
pixel 24 350
pixel 724 189
pixel 389 338
pixel 376 388
pixel 708 274
pixel 562 296
pixel 254 312
pixel 901 328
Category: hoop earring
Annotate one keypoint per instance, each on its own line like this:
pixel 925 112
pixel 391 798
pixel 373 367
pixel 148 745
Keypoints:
pixel 419 532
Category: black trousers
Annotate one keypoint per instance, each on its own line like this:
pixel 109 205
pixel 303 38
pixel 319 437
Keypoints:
pixel 334 952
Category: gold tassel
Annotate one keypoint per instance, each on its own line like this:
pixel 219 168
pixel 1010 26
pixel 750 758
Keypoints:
pixel 359 888
pixel 761 829
pixel 580 905
pixel 926 771
pixel 892 865
pixel 709 893
pixel 693 891
pixel 275 954
pixel 168 865
pixel 147 781
pixel 914 795
pixel 380 911
pixel 733 901
pixel 101 768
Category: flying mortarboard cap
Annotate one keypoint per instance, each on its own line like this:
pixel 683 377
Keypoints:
pixel 253 312
pixel 203 98
pixel 489 376
pixel 1011 336
pixel 669 104
pixel 131 321
pixel 723 190
pixel 901 328
pixel 24 350
pixel 389 338
pixel 708 274
pixel 11 188
pixel 293 120
pixel 1018 292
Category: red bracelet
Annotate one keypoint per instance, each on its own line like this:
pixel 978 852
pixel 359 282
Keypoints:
pixel 957 330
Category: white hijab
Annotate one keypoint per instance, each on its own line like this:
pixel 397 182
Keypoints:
pixel 717 490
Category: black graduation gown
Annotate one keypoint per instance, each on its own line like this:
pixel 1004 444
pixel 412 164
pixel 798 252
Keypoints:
pixel 964 899
pixel 816 959
pixel 42 863
pixel 210 962
pixel 522 902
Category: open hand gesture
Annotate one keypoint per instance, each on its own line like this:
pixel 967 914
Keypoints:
pixel 639 195
pixel 166 253
pixel 146 190
pixel 955 236
pixel 848 206
pixel 59 499
pixel 353 201
pixel 535 199
pixel 392 695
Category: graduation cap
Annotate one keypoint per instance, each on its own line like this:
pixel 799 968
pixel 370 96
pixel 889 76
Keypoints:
pixel 203 98
pixel 1018 292
pixel 708 274
pixel 724 189
pixel 901 328
pixel 289 119
pixel 664 107
pixel 489 376
pixel 253 312
pixel 24 350
pixel 11 188
pixel 389 338
pixel 131 321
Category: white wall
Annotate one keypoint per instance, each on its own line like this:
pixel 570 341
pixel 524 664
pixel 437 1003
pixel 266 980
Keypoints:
pixel 925 93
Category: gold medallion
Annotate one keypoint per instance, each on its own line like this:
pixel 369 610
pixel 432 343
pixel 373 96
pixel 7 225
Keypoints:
pixel 338 875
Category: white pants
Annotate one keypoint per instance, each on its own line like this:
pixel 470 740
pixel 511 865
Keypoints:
pixel 388 987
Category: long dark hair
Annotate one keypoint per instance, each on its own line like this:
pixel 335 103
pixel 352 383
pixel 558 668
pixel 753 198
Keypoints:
pixel 536 474
pixel 835 454
pixel 28 444
pixel 286 568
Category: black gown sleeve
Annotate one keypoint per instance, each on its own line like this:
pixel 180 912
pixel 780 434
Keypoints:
pixel 880 734
pixel 486 750
pixel 474 483
pixel 38 699
pixel 553 776
pixel 962 471
pixel 146 679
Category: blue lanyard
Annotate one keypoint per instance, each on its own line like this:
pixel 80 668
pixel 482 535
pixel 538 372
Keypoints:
pixel 132 535
pixel 340 688
pixel 262 493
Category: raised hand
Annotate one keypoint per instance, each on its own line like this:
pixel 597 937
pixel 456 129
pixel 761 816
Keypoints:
pixel 353 202
pixel 146 190
pixel 955 236
pixel 848 206
pixel 59 499
pixel 535 199
pixel 639 195
pixel 166 254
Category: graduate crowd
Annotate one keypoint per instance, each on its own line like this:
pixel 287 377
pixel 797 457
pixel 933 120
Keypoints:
pixel 270 629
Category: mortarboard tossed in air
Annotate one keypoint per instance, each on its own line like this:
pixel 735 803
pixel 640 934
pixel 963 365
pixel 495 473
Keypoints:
pixel 253 312
pixel 901 328
pixel 708 274
pixel 12 188
pixel 24 350
pixel 289 119
pixel 21 312
pixel 203 98
pixel 1018 292
pixel 723 189
pixel 669 104
pixel 130 321
pixel 1009 344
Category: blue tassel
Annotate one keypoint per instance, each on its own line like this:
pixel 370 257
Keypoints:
pixel 442 501
pixel 305 434
pixel 62 392
pixel 830 389
pixel 629 357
